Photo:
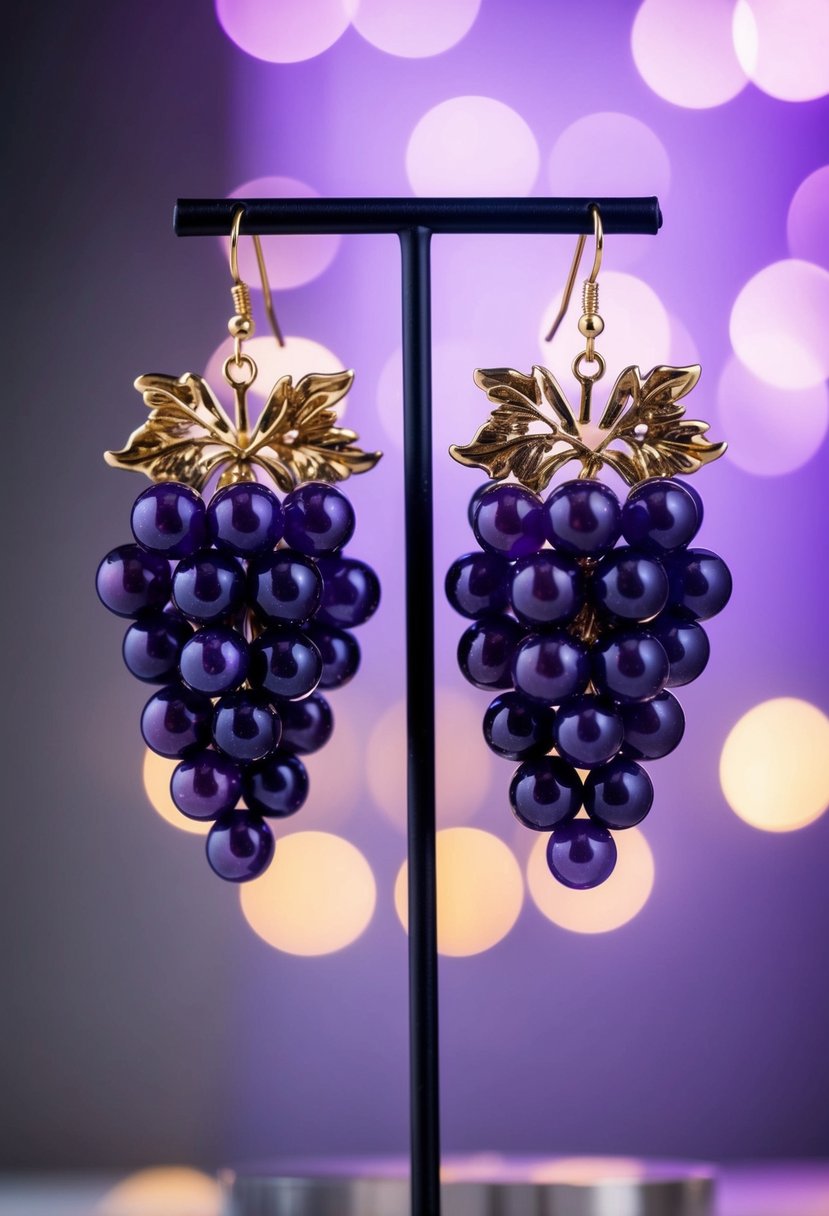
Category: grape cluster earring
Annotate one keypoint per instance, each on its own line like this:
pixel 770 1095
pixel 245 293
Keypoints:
pixel 582 637
pixel 242 606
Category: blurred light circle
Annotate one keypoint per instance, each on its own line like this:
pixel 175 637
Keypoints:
pixel 582 1171
pixel 770 430
pixel 806 228
pixel 684 350
pixel 296 358
pixel 782 46
pixel 472 145
pixel 291 260
pixel 157 772
pixel 283 31
pixel 779 324
pixel 602 908
pixel 685 52
pixel 452 385
pixel 480 891
pixel 317 896
pixel 464 767
pixel 609 154
pixel 414 29
pixel 773 768
pixel 336 776
pixel 170 1190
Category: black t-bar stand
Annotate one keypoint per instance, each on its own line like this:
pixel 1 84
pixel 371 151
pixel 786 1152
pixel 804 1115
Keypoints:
pixel 414 220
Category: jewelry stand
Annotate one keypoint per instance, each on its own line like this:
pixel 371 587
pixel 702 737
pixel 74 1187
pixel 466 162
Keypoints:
pixel 414 221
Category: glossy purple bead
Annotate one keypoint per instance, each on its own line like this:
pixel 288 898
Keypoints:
pixel 630 666
pixel 350 592
pixel 518 729
pixel 152 646
pixel 630 585
pixel 245 519
pixel 588 731
pixel 206 785
pixel 477 584
pixel 245 726
pixel 547 589
pixel 286 586
pixel 130 581
pixel 697 497
pixel 660 515
pixel 700 583
pixel 476 498
pixel 583 518
pixel 686 645
pixel 653 728
pixel 285 663
pixel 581 854
pixel 214 660
pixel 208 586
pixel 509 520
pixel 550 667
pixel 545 792
pixel 169 519
pixel 318 519
pixel 306 725
pixel 240 846
pixel 618 795
pixel 486 651
pixel 277 786
pixel 176 722
pixel 339 651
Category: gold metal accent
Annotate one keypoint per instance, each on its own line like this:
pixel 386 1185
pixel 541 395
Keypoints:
pixel 239 285
pixel 598 232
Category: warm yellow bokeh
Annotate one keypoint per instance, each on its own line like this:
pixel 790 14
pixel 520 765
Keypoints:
pixel 480 891
pixel 317 896
pixel 585 1171
pixel 774 768
pixel 157 773
pixel 174 1190
pixel 602 908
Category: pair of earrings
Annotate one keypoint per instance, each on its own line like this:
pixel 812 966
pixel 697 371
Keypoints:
pixel 242 607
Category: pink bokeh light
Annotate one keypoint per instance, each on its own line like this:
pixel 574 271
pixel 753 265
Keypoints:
pixel 414 29
pixel 472 146
pixel 807 228
pixel 770 430
pixel 283 31
pixel 291 260
pixel 685 52
pixel 782 46
pixel 780 324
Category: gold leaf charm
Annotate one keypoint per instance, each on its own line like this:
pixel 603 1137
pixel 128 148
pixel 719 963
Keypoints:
pixel 533 431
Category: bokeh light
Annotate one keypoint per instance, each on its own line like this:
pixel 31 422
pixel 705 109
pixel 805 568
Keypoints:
pixel 773 768
pixel 583 1171
pixel 283 31
pixel 472 146
pixel 779 324
pixel 769 430
pixel 291 260
pixel 458 400
pixel 603 908
pixel 480 891
pixel 806 227
pixel 463 765
pixel 685 52
pixel 156 773
pixel 336 776
pixel 317 896
pixel 684 350
pixel 609 154
pixel 781 46
pixel 414 29
pixel 296 358
pixel 170 1190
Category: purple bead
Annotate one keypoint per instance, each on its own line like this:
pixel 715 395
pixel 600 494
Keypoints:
pixel 588 731
pixel 130 581
pixel 286 586
pixel 477 584
pixel 686 645
pixel 208 586
pixel 509 520
pixel 654 728
pixel 169 519
pixel 618 795
pixel 306 725
pixel 549 667
pixel 350 592
pixel 697 497
pixel 581 854
pixel 285 663
pixel 630 585
pixel 318 519
pixel 518 729
pixel 245 519
pixel 630 667
pixel 339 651
pixel 206 785
pixel 240 846
pixel 215 660
pixel 700 583
pixel 152 647
pixel 545 792
pixel 277 786
pixel 486 651
pixel 245 726
pixel 547 589
pixel 176 722
pixel 583 518
pixel 476 498
pixel 660 515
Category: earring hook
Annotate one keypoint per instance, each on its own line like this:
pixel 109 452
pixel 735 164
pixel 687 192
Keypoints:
pixel 598 232
pixel 239 286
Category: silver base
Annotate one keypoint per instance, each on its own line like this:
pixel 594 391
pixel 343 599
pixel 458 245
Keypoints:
pixel 484 1185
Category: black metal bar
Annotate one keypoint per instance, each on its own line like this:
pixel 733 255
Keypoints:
pixel 265 216
pixel 420 702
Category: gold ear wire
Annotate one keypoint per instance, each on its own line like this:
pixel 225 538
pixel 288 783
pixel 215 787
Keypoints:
pixel 240 290
pixel 591 291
